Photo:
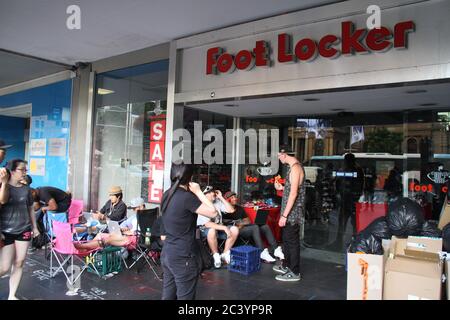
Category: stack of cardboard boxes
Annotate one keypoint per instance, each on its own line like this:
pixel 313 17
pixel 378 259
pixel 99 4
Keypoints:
pixel 410 269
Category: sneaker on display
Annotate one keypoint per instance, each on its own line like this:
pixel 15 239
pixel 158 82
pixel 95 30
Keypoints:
pixel 280 269
pixel 226 257
pixel 265 255
pixel 279 253
pixel 217 261
pixel 288 277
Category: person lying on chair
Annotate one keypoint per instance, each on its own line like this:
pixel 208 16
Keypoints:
pixel 128 239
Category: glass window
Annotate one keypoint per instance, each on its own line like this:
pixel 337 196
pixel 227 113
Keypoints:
pixel 128 103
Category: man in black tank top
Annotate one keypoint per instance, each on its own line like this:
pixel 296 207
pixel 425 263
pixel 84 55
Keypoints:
pixel 292 211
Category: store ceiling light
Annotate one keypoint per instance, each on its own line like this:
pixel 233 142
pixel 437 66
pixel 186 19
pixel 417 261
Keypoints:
pixel 104 91
pixel 416 91
pixel 311 99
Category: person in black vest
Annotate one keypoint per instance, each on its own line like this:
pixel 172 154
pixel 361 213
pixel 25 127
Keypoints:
pixel 51 199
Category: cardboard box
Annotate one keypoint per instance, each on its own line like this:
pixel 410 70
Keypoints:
pixel 413 270
pixel 445 215
pixel 365 274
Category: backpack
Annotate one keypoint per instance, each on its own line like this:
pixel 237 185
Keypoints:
pixel 42 239
pixel 204 260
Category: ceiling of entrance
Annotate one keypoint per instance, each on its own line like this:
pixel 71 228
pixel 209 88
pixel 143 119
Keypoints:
pixel 421 97
pixel 113 27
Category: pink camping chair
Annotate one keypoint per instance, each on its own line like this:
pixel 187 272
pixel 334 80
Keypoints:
pixel 75 210
pixel 64 251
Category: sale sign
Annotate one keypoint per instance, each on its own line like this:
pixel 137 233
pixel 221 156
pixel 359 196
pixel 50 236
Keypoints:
pixel 156 159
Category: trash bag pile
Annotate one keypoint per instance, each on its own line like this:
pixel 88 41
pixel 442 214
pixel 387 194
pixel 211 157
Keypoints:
pixel 446 237
pixel 430 229
pixel 405 218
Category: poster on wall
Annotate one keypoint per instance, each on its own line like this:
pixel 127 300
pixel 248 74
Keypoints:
pixel 57 147
pixel 38 147
pixel 156 160
pixel 37 166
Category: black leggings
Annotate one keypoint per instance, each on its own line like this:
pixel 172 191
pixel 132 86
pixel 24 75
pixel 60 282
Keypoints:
pixel 253 231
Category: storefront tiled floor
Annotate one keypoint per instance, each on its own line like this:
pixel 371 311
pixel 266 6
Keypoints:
pixel 322 280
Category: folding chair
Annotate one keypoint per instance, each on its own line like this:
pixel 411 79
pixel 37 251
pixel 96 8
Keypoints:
pixel 64 251
pixel 145 220
pixel 75 210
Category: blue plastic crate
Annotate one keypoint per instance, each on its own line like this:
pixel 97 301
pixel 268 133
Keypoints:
pixel 245 260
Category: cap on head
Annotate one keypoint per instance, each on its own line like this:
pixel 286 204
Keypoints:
pixel 287 149
pixel 136 202
pixel 115 190
pixel 229 194
pixel 3 145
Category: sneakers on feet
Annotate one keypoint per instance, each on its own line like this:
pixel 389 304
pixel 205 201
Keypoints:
pixel 288 277
pixel 265 255
pixel 217 261
pixel 280 269
pixel 226 257
pixel 279 253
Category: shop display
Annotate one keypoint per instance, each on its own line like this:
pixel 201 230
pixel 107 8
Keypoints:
pixel 405 218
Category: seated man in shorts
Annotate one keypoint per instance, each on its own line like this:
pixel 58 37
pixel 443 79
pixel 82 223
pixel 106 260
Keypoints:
pixel 214 229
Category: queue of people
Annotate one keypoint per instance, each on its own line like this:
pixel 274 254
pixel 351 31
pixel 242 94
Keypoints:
pixel 184 208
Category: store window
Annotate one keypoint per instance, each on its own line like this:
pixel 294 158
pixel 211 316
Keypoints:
pixel 129 133
pixel 215 174
pixel 398 155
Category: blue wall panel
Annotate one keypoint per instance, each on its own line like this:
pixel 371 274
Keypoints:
pixel 12 132
pixel 50 119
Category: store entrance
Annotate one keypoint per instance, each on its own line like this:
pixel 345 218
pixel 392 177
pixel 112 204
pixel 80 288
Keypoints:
pixel 400 137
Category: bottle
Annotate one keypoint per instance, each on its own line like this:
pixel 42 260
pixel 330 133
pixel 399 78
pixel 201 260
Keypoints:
pixel 147 237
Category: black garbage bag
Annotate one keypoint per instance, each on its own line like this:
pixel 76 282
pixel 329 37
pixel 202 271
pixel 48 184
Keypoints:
pixel 405 218
pixel 446 237
pixel 366 243
pixel 379 229
pixel 430 229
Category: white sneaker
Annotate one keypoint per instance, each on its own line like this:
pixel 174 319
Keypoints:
pixel 279 253
pixel 217 262
pixel 226 257
pixel 265 255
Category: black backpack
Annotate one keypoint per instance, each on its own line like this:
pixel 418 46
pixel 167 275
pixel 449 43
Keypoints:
pixel 205 260
pixel 42 239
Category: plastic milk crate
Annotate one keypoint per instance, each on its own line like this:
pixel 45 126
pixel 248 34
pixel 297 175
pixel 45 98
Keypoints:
pixel 245 260
pixel 106 261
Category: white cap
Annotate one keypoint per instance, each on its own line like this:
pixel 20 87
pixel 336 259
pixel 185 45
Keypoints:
pixel 136 202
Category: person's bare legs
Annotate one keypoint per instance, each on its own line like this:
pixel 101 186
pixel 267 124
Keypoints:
pixel 231 240
pixel 17 269
pixel 212 240
pixel 93 244
pixel 7 254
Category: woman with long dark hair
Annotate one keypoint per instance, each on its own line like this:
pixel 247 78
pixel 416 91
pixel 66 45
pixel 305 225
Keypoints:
pixel 17 223
pixel 180 206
